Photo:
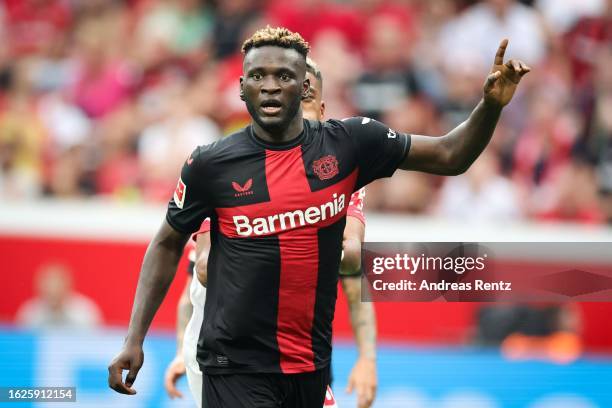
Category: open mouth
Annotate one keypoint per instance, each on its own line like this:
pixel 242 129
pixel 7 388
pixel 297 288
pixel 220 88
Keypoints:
pixel 271 107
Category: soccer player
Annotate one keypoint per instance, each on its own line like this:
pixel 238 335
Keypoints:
pixel 363 376
pixel 276 193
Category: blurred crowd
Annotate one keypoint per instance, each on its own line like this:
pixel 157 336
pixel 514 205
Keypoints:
pixel 108 98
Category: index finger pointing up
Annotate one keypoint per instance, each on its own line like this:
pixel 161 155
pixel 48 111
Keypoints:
pixel 499 57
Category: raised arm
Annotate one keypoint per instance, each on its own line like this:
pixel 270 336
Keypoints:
pixel 454 152
pixel 158 270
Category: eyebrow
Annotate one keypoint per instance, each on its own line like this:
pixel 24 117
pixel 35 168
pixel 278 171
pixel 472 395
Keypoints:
pixel 278 70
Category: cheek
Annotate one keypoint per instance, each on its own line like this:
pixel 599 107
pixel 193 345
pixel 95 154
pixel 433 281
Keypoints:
pixel 293 88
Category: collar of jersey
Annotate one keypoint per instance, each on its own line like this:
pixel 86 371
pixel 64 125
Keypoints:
pixel 279 146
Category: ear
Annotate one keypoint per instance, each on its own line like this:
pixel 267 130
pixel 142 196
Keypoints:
pixel 242 88
pixel 322 110
pixel 306 95
pixel 306 88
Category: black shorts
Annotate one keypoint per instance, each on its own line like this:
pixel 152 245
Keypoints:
pixel 305 390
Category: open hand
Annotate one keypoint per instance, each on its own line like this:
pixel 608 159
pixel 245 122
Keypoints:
pixel 504 78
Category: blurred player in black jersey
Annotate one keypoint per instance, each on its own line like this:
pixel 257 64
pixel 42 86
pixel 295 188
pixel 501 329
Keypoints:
pixel 191 304
pixel 277 194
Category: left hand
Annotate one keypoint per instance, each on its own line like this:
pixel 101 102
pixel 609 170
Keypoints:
pixel 504 78
pixel 363 380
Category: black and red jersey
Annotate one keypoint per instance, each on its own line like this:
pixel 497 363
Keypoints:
pixel 277 217
pixel 355 209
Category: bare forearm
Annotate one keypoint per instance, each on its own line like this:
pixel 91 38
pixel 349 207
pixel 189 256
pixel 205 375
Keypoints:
pixel 363 318
pixel 184 312
pixel 469 139
pixel 354 233
pixel 364 328
pixel 156 275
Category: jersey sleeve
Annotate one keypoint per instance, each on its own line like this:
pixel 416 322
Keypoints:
pixel 190 203
pixel 204 228
pixel 190 248
pixel 355 208
pixel 380 149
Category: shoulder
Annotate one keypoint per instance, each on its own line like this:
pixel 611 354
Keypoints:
pixel 221 148
pixel 346 125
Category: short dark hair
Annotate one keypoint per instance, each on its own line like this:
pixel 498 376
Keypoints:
pixel 280 37
pixel 313 68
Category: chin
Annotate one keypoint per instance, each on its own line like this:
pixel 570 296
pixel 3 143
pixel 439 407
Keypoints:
pixel 272 123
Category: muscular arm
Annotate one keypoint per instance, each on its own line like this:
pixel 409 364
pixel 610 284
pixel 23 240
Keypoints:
pixel 454 152
pixel 156 275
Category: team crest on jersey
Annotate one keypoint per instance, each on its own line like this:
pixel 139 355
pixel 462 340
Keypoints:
pixel 243 190
pixel 179 194
pixel 326 167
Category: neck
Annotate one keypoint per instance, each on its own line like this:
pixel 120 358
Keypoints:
pixel 296 126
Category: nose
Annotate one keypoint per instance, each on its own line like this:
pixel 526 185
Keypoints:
pixel 270 85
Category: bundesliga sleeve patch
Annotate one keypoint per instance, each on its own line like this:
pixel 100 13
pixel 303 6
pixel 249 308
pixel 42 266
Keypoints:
pixel 179 194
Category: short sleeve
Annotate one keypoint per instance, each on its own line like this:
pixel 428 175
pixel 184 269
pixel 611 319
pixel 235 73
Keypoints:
pixel 355 208
pixel 380 149
pixel 190 203
pixel 204 228
pixel 190 248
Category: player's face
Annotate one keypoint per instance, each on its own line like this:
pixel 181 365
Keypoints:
pixel 313 106
pixel 273 86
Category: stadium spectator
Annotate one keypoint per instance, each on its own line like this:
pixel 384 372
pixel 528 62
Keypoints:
pixel 228 31
pixel 22 139
pixel 163 146
pixel 388 77
pixel 34 26
pixel 563 14
pixel 168 28
pixel 103 80
pixel 482 24
pixel 573 196
pixel 95 74
pixel 527 331
pixel 57 305
pixel 313 17
pixel 341 66
pixel 482 194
